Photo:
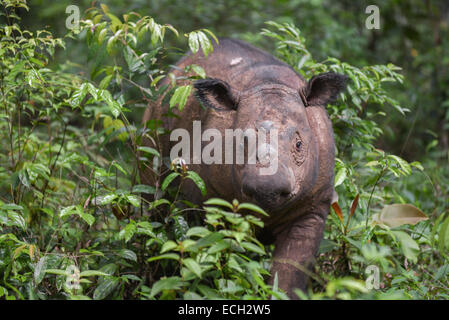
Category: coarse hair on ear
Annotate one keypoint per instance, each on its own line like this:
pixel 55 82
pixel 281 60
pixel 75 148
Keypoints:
pixel 324 88
pixel 216 94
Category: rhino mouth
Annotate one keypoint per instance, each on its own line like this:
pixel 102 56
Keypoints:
pixel 272 202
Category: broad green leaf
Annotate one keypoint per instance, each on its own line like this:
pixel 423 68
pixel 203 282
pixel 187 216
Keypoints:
pixel 39 270
pixel 159 202
pixel 78 95
pixel 180 97
pixel 128 254
pixel 135 201
pixel 11 206
pixel 67 211
pixel 197 231
pixel 208 240
pixel 252 247
pixel 219 246
pixel 218 202
pixel 405 166
pixel 143 188
pixel 193 42
pixel 340 176
pixel 172 176
pixel 105 288
pixel 198 181
pixel 204 41
pixel 193 266
pixel 168 246
pixel 172 283
pixel 108 198
pixel 199 70
pixel 88 218
pixel 128 232
pixel 409 246
pixel 252 207
pixel 16 219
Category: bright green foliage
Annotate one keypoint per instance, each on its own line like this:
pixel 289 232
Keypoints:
pixel 75 216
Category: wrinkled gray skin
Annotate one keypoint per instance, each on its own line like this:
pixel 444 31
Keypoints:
pixel 245 88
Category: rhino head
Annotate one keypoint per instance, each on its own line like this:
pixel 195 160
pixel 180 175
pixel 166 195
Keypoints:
pixel 275 106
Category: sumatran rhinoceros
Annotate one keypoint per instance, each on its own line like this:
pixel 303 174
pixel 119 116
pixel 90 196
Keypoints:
pixel 247 88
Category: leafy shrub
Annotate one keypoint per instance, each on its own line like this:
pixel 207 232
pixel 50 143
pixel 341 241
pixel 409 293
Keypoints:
pixel 75 216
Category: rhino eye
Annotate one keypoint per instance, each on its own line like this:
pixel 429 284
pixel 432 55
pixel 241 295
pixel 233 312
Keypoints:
pixel 298 145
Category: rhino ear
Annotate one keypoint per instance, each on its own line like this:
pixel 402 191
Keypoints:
pixel 324 88
pixel 216 94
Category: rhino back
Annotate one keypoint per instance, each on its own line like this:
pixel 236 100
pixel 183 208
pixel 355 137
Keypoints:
pixel 244 66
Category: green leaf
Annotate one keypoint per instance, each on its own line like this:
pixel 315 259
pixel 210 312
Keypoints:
pixel 57 271
pixel 193 42
pixel 340 176
pixel 172 256
pixel 88 218
pixel 39 270
pixel 169 180
pixel 199 70
pixel 68 211
pixel 193 266
pixel 219 202
pixel 128 254
pixel 405 166
pixel 15 219
pixel 197 231
pixel 168 246
pixel 198 181
pixel 143 188
pixel 443 236
pixel 78 95
pixel 128 232
pixel 90 273
pixel 108 198
pixel 159 202
pixel 135 201
pixel 180 97
pixel 204 41
pixel 208 240
pixel 219 246
pixel 105 288
pixel 150 151
pixel 172 283
pixel 252 207
pixel 409 246
pixel 252 247
pixel 11 206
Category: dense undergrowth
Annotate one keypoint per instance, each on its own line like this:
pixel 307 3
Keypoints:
pixel 75 218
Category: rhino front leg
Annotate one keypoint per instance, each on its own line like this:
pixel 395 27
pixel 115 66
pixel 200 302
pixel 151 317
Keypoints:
pixel 295 251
